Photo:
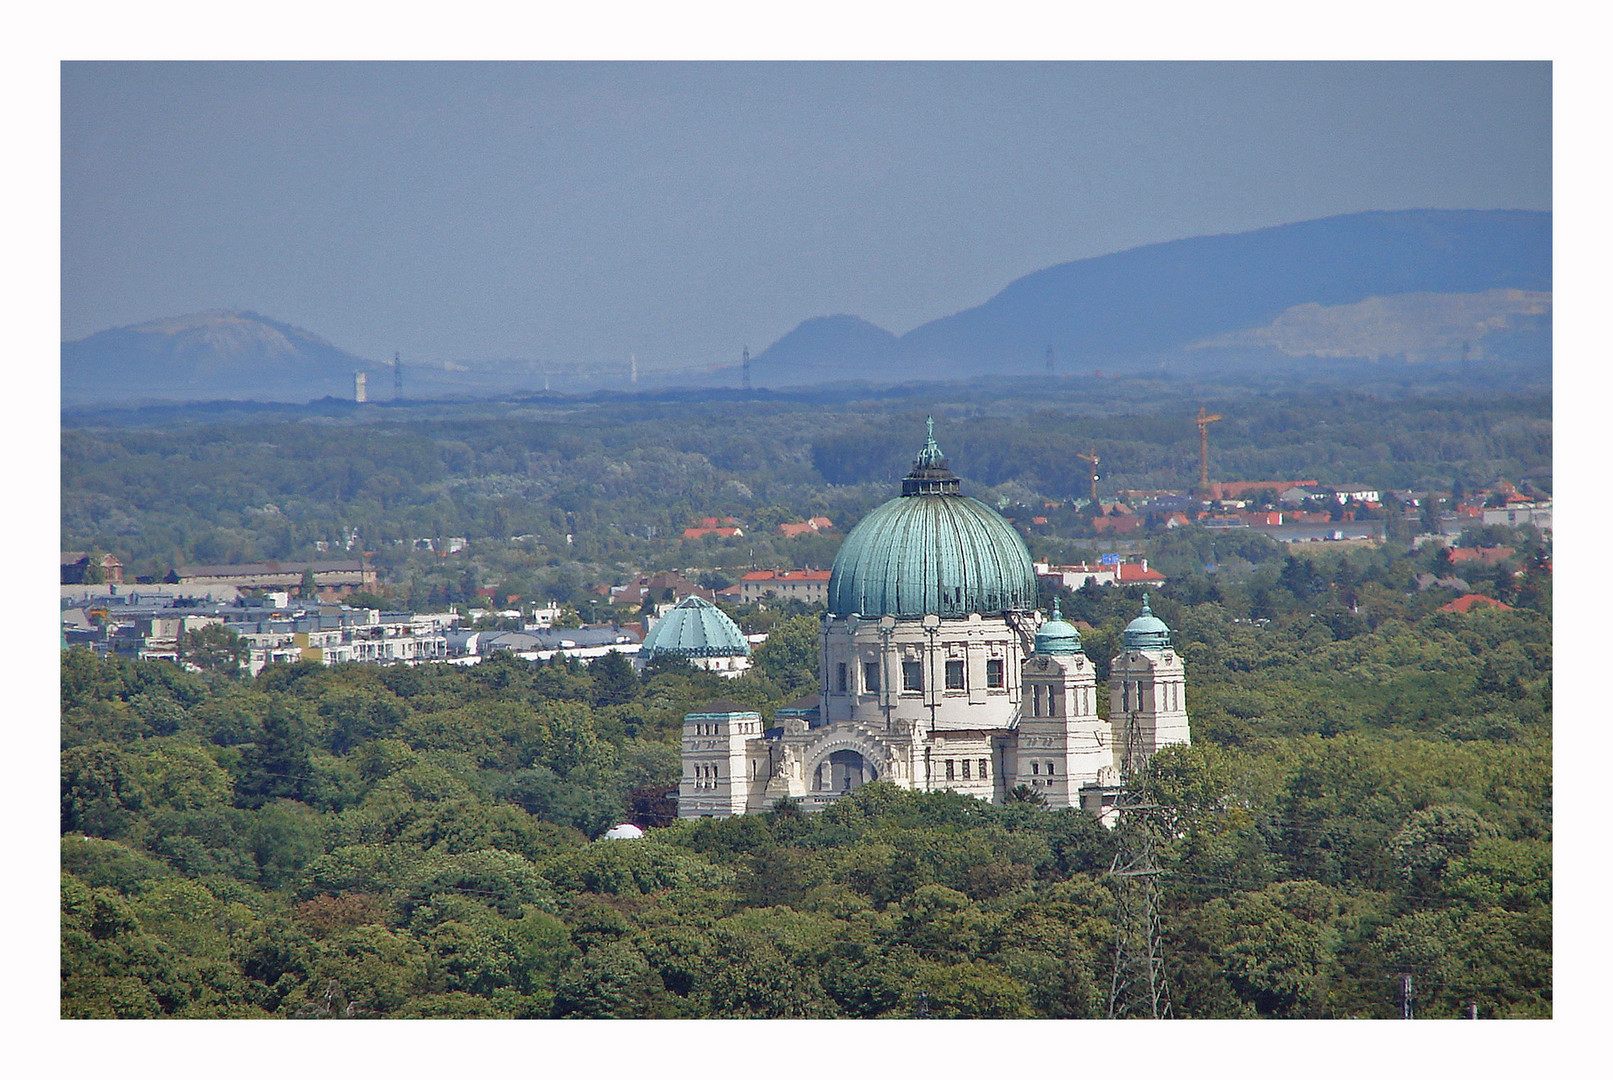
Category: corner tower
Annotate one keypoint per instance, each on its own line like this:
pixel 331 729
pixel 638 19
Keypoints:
pixel 1147 687
pixel 1063 741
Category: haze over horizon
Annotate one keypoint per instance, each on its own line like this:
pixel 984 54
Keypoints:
pixel 586 212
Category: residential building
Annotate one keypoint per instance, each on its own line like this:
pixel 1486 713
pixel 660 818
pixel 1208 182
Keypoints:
pixel 808 586
pixel 1536 514
pixel 333 578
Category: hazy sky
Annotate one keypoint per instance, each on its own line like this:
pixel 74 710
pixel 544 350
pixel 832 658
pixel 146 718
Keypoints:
pixel 677 211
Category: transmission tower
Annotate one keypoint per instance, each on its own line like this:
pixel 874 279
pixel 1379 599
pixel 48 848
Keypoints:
pixel 1137 986
pixel 745 368
pixel 397 376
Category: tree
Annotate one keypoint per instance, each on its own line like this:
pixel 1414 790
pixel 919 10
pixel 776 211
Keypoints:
pixel 101 791
pixel 614 680
pixel 308 587
pixel 1430 520
pixel 611 981
pixel 1024 793
pixel 789 656
pixel 214 647
pixel 278 766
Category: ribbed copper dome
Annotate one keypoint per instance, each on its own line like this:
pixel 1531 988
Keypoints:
pixel 932 551
pixel 695 627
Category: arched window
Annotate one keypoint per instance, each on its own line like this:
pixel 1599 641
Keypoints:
pixel 1036 768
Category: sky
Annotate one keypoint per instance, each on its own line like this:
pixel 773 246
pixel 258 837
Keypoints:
pixel 676 212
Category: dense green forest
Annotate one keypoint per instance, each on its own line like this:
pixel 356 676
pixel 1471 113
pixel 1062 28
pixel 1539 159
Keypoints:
pixel 1368 795
pixel 556 494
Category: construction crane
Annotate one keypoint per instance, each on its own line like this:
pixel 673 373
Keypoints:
pixel 1204 421
pixel 1093 458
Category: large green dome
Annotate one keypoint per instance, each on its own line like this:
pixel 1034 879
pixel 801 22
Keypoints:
pixel 932 551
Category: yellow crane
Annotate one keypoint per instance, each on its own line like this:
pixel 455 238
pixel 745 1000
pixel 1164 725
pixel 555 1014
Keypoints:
pixel 1204 421
pixel 1093 458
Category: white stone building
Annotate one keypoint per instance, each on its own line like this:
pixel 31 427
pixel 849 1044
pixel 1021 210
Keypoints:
pixel 937 673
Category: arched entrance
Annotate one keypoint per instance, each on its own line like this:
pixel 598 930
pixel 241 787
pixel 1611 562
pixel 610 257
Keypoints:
pixel 842 771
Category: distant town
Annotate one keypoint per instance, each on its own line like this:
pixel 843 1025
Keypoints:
pixel 332 611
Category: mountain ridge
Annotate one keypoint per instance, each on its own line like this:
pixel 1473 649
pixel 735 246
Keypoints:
pixel 1230 300
pixel 1127 308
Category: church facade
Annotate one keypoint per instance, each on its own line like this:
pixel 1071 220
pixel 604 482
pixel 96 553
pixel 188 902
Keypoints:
pixel 937 672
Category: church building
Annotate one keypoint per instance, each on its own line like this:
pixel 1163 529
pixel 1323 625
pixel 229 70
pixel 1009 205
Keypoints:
pixel 937 672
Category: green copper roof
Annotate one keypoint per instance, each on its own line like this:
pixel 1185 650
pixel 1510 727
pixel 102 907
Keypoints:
pixel 932 551
pixel 1147 631
pixel 694 627
pixel 1057 637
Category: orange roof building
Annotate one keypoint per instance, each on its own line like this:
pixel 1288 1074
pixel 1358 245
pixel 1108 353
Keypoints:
pixel 810 586
pixel 1465 604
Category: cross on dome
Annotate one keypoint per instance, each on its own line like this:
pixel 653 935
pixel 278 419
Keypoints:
pixel 931 455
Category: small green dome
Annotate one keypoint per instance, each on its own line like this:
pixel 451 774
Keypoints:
pixel 1147 631
pixel 932 551
pixel 694 627
pixel 1057 637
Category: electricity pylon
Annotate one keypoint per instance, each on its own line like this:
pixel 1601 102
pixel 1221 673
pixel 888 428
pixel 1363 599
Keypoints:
pixel 1137 986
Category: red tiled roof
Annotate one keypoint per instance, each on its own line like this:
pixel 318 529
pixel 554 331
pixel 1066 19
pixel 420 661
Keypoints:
pixel 1465 604
pixel 787 575
pixel 1234 489
pixel 1121 523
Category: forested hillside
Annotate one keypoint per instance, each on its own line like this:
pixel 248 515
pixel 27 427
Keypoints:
pixel 1368 795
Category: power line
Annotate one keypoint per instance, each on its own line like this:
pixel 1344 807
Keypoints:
pixel 1137 983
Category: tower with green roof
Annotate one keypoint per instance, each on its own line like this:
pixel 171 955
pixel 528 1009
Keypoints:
pixel 1062 741
pixel 1147 688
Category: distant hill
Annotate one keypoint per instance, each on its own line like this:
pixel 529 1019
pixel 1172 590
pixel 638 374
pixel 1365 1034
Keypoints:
pixel 213 355
pixel 1134 308
pixel 828 348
